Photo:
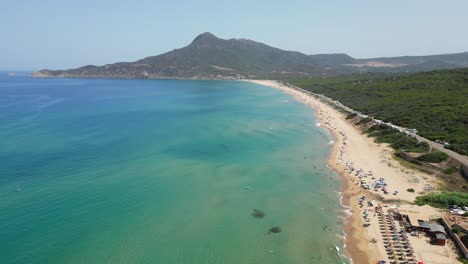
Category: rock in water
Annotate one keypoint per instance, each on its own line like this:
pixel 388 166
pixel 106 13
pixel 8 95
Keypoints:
pixel 258 214
pixel 275 229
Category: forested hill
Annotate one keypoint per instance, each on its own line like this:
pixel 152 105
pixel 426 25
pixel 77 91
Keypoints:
pixel 435 103
pixel 210 57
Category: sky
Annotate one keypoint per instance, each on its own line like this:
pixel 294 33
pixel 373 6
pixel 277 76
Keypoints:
pixel 62 34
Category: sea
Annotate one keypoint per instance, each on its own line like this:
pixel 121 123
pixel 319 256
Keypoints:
pixel 163 171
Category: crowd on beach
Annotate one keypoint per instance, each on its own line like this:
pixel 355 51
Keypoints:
pixel 395 241
pixel 365 178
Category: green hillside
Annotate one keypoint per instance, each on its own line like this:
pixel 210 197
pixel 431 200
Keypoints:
pixel 435 103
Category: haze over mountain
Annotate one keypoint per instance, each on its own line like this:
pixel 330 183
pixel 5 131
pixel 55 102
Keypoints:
pixel 209 57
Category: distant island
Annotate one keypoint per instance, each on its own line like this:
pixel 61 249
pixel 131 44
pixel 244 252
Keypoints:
pixel 210 57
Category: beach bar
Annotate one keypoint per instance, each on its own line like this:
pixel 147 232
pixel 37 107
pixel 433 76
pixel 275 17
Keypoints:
pixel 415 222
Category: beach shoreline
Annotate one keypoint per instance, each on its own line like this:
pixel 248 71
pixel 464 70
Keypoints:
pixel 355 243
pixel 352 150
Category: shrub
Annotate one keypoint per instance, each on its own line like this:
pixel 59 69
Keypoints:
pixel 410 190
pixel 364 121
pixel 378 127
pixel 456 230
pixel 443 199
pixel 433 157
pixel 450 170
pixel 351 116
pixel 420 147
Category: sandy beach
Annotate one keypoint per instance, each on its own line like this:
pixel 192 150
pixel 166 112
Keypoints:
pixel 357 158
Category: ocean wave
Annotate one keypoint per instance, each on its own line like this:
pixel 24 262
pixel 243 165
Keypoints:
pixel 345 217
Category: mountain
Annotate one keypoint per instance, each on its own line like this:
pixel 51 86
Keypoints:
pixel 210 57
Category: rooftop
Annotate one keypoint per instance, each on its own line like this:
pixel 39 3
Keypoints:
pixel 437 228
pixel 415 218
pixel 423 224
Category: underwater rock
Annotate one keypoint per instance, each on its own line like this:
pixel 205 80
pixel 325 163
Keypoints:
pixel 275 229
pixel 258 214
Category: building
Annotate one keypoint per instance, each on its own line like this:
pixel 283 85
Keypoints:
pixel 440 239
pixel 438 234
pixel 415 222
pixel 437 229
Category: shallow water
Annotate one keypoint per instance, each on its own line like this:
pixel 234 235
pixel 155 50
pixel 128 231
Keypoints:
pixel 160 171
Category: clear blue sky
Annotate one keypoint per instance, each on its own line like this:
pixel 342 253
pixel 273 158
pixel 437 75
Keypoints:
pixel 59 34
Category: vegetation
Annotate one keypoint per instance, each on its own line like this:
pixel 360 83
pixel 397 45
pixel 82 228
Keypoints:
pixel 432 102
pixel 351 116
pixel 463 260
pixel 396 139
pixel 443 199
pixel 364 121
pixel 410 190
pixel 434 157
pixel 456 230
pixel 450 170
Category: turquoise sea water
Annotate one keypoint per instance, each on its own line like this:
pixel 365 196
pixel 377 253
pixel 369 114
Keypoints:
pixel 158 171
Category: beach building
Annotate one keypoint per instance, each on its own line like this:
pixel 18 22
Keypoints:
pixel 420 223
pixel 415 222
pixel 440 239
pixel 438 234
pixel 437 229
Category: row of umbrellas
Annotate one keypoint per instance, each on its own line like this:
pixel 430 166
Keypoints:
pixel 396 242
